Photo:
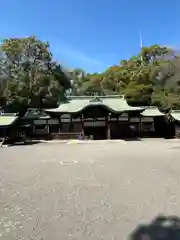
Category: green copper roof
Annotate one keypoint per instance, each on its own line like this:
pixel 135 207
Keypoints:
pixel 176 114
pixel 77 104
pixel 7 120
pixel 152 112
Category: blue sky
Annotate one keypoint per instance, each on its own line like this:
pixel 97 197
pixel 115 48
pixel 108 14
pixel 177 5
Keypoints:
pixel 93 34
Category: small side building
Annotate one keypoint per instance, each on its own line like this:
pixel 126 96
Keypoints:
pixel 36 122
pixel 175 119
pixel 153 122
pixel 8 125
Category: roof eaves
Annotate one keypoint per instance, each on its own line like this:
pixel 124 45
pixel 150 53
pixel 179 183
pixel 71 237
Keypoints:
pixel 176 114
pixel 152 111
pixel 7 120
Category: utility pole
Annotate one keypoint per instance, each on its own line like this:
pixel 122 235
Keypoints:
pixel 141 44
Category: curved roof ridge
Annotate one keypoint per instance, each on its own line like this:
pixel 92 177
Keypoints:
pixel 95 96
pixel 115 104
pixel 152 107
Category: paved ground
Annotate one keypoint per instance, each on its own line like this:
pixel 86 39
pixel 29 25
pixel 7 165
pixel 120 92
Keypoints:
pixel 95 191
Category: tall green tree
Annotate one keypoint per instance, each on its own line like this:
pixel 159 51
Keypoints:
pixel 32 78
pixel 151 77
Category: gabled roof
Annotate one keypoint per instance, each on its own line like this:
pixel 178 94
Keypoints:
pixel 152 111
pixel 7 119
pixel 77 104
pixel 176 114
pixel 33 113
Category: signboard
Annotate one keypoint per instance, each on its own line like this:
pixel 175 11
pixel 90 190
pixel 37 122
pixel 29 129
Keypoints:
pixel 123 118
pixel 65 120
pixel 76 120
pixel 134 119
pixel 147 119
pixel 40 122
pixel 53 121
pixel 94 124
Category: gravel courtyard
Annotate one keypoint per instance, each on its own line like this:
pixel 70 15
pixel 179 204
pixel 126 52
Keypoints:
pixel 93 191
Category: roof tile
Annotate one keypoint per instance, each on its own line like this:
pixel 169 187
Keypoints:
pixel 77 104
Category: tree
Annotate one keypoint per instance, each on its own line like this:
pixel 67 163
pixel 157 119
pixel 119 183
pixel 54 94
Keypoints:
pixel 32 78
pixel 155 53
pixel 166 99
pixel 151 77
pixel 167 73
pixel 138 94
pixel 78 79
pixel 166 81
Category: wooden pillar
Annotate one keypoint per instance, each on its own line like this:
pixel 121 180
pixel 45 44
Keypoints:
pixel 47 126
pixel 59 128
pixel 34 127
pixel 108 127
pixel 153 125
pixel 129 118
pixel 5 132
pixel 117 126
pixel 117 119
pixel 140 125
pixel 82 126
pixel 129 128
pixel 70 127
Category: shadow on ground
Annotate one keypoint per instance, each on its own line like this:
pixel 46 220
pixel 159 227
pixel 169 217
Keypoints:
pixel 132 139
pixel 161 228
pixel 24 143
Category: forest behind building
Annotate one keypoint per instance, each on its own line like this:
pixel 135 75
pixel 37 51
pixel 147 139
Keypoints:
pixel 30 77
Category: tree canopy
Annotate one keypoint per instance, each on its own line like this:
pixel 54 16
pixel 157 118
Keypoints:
pixel 29 77
pixel 28 74
pixel 150 78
